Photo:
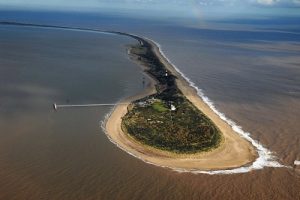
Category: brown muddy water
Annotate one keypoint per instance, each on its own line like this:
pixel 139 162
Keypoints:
pixel 65 155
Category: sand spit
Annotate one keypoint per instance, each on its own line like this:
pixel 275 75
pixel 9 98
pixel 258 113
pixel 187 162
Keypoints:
pixel 233 152
pixel 238 154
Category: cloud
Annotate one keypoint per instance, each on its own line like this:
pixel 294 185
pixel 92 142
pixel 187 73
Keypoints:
pixel 278 3
pixel 267 2
pixel 246 2
pixel 136 3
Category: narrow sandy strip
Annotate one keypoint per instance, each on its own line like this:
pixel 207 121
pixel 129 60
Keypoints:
pixel 233 152
pixel 264 157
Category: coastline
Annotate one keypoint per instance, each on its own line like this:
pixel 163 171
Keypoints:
pixel 265 157
pixel 233 152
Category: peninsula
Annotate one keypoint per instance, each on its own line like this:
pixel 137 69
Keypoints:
pixel 169 125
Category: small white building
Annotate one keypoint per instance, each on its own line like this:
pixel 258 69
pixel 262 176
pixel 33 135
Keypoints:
pixel 173 108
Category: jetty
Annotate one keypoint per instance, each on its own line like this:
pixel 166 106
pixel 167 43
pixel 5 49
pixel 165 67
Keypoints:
pixel 57 106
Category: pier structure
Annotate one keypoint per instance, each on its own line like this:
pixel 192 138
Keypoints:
pixel 57 106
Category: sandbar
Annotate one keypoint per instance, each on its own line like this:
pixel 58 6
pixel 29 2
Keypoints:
pixel 234 151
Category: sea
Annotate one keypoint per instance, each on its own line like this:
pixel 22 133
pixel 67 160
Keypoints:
pixel 248 72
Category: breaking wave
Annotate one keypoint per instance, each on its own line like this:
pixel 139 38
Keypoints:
pixel 265 156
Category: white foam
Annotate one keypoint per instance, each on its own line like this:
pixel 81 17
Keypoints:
pixel 297 162
pixel 265 156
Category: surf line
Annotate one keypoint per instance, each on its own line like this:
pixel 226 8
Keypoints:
pixel 266 157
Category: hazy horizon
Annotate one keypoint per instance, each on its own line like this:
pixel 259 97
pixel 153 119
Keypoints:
pixel 199 9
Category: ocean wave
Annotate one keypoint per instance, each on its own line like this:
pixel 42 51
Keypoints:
pixel 265 158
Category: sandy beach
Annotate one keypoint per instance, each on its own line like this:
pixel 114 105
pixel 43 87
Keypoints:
pixel 234 151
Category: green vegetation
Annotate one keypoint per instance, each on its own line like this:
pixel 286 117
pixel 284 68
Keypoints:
pixel 159 106
pixel 167 120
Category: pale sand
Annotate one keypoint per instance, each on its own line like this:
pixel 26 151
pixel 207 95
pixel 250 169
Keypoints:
pixel 234 151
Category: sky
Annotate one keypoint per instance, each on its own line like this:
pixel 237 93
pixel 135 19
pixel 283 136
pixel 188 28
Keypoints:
pixel 91 3
pixel 211 8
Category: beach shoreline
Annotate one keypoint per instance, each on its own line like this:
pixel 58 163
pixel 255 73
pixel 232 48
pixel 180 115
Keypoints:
pixel 233 152
pixel 259 155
